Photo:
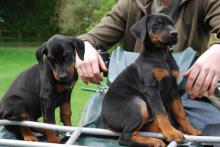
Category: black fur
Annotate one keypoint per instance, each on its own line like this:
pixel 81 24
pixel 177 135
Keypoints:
pixel 137 93
pixel 41 88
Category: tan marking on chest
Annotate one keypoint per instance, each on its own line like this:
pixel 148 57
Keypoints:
pixel 24 116
pixel 175 74
pixel 160 73
pixel 61 87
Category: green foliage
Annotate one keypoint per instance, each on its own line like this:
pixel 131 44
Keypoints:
pixel 76 17
pixel 28 18
pixel 41 19
pixel 103 7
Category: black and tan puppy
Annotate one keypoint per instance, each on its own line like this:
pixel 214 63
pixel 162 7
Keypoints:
pixel 40 89
pixel 141 96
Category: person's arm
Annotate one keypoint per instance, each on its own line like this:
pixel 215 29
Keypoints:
pixel 111 27
pixel 205 72
pixel 103 36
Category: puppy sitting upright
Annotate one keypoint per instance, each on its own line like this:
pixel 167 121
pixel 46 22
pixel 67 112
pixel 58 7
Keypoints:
pixel 40 89
pixel 140 97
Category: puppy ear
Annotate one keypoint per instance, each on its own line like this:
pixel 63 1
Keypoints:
pixel 79 46
pixel 40 53
pixel 139 29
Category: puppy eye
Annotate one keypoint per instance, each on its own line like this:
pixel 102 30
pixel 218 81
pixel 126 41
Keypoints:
pixel 157 24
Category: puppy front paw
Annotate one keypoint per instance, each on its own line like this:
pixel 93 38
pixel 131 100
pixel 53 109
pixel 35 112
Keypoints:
pixel 173 135
pixel 54 139
pixel 194 132
pixel 52 136
pixel 30 138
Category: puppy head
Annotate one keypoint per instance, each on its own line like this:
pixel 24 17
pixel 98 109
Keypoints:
pixel 156 30
pixel 59 52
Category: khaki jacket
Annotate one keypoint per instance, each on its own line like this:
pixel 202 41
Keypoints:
pixel 194 20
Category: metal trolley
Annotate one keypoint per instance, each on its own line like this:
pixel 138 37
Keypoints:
pixel 73 134
pixel 76 132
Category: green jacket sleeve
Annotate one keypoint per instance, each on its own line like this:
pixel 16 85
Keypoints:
pixel 212 16
pixel 111 28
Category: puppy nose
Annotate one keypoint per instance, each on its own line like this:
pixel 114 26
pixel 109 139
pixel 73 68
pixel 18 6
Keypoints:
pixel 63 76
pixel 173 34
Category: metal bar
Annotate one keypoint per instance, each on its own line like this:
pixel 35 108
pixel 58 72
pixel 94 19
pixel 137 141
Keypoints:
pixel 74 136
pixel 19 143
pixel 172 144
pixel 188 138
pixel 90 131
pixel 202 139
pixel 104 132
pixel 90 89
pixel 38 125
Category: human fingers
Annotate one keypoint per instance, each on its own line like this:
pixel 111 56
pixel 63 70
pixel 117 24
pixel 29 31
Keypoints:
pixel 186 74
pixel 213 85
pixel 91 74
pixel 79 63
pixel 86 67
pixel 80 73
pixel 198 84
pixel 191 78
pixel 88 74
pixel 206 85
pixel 102 64
pixel 84 75
pixel 97 75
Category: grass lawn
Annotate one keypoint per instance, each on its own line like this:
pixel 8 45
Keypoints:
pixel 13 60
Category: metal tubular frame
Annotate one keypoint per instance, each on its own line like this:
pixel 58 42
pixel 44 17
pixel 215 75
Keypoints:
pixel 19 143
pixel 77 131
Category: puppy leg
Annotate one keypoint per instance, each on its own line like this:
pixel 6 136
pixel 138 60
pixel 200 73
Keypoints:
pixel 65 114
pixel 180 116
pixel 142 141
pixel 151 127
pixel 160 116
pixel 26 131
pixel 49 117
pixel 137 119
pixel 27 134
pixel 169 132
pixel 52 136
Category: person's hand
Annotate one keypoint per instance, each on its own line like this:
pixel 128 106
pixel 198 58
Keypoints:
pixel 89 68
pixel 204 74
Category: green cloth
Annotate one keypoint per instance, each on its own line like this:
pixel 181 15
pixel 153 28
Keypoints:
pixel 194 20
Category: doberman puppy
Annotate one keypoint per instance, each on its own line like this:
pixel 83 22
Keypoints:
pixel 37 91
pixel 140 97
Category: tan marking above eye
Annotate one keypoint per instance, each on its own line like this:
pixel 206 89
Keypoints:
pixel 61 88
pixel 160 73
pixel 159 20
